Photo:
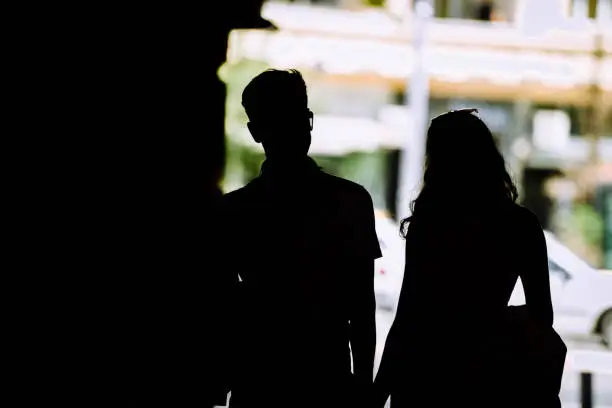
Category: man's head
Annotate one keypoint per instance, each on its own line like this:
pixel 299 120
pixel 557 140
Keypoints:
pixel 276 103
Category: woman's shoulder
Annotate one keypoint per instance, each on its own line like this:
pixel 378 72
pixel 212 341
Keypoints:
pixel 523 214
pixel 507 219
pixel 523 220
pixel 507 215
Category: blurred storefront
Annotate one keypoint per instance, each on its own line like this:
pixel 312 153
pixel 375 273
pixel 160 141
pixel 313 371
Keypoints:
pixel 540 90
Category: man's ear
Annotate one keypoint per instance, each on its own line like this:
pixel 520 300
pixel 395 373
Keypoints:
pixel 253 130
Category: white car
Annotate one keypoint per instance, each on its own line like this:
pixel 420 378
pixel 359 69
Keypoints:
pixel 581 294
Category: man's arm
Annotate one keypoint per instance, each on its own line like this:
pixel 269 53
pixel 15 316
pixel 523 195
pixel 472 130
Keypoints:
pixel 363 321
pixel 362 318
pixel 223 275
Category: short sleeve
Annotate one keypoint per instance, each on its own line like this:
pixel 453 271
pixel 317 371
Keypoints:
pixel 369 244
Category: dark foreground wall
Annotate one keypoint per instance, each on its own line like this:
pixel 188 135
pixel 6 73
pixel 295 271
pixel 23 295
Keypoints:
pixel 123 132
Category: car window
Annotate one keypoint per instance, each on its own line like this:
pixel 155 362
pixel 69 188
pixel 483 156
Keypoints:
pixel 556 270
pixel 563 255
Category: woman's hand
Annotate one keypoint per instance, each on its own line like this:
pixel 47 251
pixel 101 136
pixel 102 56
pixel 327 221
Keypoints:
pixel 378 395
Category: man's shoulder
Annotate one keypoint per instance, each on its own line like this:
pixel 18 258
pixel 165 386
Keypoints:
pixel 346 187
pixel 240 195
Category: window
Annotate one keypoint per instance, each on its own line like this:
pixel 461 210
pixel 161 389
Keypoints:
pixel 578 125
pixel 604 10
pixel 593 9
pixel 398 97
pixel 483 10
pixel 325 2
pixel 579 8
pixel 555 269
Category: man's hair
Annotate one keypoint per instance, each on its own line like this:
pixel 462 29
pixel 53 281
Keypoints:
pixel 275 91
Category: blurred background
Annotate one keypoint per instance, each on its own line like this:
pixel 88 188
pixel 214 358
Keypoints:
pixel 538 71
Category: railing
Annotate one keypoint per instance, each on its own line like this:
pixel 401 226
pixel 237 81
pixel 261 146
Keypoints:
pixel 589 363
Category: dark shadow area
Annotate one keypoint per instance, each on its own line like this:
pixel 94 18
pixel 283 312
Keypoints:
pixel 132 126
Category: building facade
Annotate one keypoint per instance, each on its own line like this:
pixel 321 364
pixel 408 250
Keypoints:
pixel 540 74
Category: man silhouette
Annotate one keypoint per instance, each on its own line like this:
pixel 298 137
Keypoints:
pixel 303 244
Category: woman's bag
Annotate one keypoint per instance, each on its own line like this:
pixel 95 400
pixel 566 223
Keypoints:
pixel 534 353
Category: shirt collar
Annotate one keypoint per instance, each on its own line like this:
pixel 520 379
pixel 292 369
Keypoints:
pixel 296 167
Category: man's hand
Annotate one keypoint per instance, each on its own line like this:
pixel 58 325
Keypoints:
pixel 363 323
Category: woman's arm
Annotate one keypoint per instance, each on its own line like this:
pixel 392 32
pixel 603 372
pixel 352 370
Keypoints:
pixel 534 270
pixel 386 370
pixel 391 360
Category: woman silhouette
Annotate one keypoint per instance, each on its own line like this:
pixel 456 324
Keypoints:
pixel 467 242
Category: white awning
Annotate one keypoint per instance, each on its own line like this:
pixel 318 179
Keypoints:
pixel 349 56
pixel 336 135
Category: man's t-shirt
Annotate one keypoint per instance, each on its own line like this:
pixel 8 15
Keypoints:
pixel 293 236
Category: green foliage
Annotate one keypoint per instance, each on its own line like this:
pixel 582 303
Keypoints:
pixel 242 159
pixel 236 76
pixel 589 223
pixel 365 168
pixel 330 164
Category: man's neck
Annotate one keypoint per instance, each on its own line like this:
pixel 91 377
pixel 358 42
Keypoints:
pixel 288 165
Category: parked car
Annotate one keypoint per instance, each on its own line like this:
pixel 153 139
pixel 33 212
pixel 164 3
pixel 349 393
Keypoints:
pixel 581 294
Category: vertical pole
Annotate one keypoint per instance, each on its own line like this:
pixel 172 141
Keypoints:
pixel 417 100
pixel 518 131
pixel 586 390
pixel 596 114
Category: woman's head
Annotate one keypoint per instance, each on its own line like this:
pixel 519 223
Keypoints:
pixel 463 166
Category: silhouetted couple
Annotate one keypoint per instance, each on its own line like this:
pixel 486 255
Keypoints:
pixel 299 247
